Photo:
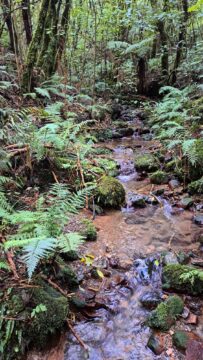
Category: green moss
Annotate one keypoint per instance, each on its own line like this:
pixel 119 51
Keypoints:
pixel 182 278
pixel 146 162
pixel 65 274
pixel 89 232
pixel 165 314
pixel 102 134
pixel 180 339
pixel 196 187
pixel 159 177
pixel 108 166
pixel 45 323
pixel 110 193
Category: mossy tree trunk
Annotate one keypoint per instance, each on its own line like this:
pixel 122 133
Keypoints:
pixel 6 9
pixel 27 20
pixel 48 42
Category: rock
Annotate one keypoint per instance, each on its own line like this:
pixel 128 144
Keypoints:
pixel 186 203
pixel 71 255
pixel 65 274
pixel 186 313
pixel 137 201
pixel 158 192
pixel 146 162
pixel 199 237
pixel 194 350
pixel 199 207
pixel 159 177
pixel 196 187
pixel 78 302
pixel 120 133
pixel 155 343
pixel 110 193
pixel 170 258
pixel 151 299
pixel 183 258
pixel 46 322
pixel 97 209
pixel 164 316
pixel 89 231
pixel 174 184
pixel 198 219
pixel 197 262
pixel 192 319
pixel 181 339
pixel 183 278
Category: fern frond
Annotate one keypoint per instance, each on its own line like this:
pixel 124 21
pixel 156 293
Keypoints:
pixel 70 241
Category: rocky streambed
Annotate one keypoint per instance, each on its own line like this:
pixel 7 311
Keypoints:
pixel 141 282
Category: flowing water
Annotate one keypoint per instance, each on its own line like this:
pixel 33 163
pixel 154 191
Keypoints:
pixel 130 234
pixel 117 331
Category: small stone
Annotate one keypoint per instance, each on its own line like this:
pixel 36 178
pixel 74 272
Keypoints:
pixel 173 184
pixel 186 313
pixel 186 203
pixel 199 207
pixel 170 258
pixel 155 344
pixel 193 319
pixel 198 219
pixel 169 352
pixel 158 192
pixel 151 299
pixel 138 201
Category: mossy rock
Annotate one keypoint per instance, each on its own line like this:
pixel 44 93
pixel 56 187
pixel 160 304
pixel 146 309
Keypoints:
pixel 196 187
pixel 110 193
pixel 89 231
pixel 164 316
pixel 159 177
pixel 47 322
pixel 84 226
pixel 146 162
pixel 182 278
pixel 180 339
pixel 102 134
pixel 65 274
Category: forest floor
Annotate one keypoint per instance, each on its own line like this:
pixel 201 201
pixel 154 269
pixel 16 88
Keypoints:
pixel 121 274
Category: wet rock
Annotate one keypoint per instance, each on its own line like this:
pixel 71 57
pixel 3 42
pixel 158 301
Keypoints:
pixel 199 207
pixel 183 278
pixel 158 192
pixel 110 193
pixel 123 132
pixel 146 162
pixel 170 258
pixel 198 219
pixel 78 302
pixel 156 344
pixel 151 299
pixel 137 201
pixel 174 184
pixel 159 177
pixel 166 313
pixel 181 339
pixel 186 203
pixel 143 130
pixel 194 350
pixel 193 319
pixel 186 313
pixel 183 258
pixel 147 137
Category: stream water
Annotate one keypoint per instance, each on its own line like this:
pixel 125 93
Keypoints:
pixel 132 237
pixel 128 235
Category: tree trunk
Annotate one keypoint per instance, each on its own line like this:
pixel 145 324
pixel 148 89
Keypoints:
pixel 27 20
pixel 141 74
pixel 6 7
pixel 181 41
pixel 164 47
pixel 32 55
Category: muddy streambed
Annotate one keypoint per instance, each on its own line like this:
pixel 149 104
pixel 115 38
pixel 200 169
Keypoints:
pixel 113 328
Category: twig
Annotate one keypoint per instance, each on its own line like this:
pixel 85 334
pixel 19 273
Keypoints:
pixel 55 286
pixel 81 342
pixel 157 199
pixel 55 177
pixel 170 241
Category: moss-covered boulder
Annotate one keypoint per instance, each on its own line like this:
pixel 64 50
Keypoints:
pixel 110 193
pixel 182 278
pixel 46 322
pixel 146 162
pixel 159 177
pixel 65 274
pixel 196 187
pixel 89 230
pixel 181 339
pixel 164 316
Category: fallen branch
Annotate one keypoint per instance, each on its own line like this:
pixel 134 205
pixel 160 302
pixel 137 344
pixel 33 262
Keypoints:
pixel 56 287
pixel 81 342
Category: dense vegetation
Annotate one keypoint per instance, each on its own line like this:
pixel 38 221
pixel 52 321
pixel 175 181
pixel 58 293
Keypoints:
pixel 66 69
